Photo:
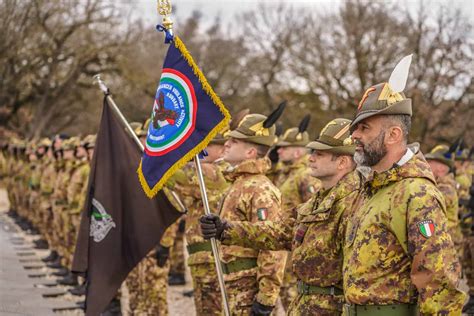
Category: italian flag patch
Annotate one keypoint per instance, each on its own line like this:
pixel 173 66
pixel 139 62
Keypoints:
pixel 262 214
pixel 427 228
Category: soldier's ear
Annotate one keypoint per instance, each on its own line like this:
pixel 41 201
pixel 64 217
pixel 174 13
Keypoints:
pixel 394 135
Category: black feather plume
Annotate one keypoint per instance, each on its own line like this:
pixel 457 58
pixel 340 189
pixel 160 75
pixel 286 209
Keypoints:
pixel 274 116
pixel 455 146
pixel 304 123
pixel 279 128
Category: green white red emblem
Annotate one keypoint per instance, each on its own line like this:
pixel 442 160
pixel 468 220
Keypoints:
pixel 262 214
pixel 427 228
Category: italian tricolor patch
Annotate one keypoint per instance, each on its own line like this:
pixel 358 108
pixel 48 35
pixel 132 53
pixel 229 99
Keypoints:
pixel 427 228
pixel 262 214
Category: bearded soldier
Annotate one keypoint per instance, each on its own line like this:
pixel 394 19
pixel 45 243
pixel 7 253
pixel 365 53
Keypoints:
pixel 398 254
pixel 253 278
pixel 315 231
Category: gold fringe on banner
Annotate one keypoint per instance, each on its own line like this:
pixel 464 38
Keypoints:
pixel 151 192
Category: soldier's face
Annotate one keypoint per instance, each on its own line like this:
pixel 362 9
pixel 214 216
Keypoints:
pixel 369 137
pixel 68 154
pixel 323 164
pixel 288 154
pixel 439 169
pixel 214 152
pixel 236 151
pixel 81 152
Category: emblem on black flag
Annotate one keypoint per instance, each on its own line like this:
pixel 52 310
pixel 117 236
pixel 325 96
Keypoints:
pixel 101 222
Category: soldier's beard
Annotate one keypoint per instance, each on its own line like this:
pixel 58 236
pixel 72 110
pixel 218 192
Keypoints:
pixel 372 153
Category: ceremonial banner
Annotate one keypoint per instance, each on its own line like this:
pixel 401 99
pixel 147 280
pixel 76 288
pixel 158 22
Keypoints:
pixel 186 115
pixel 119 224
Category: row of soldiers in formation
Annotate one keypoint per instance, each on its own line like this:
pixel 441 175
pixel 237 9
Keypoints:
pixel 355 222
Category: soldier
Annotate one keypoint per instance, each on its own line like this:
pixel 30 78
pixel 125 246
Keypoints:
pixel 442 166
pixel 398 254
pixel 207 297
pixel 296 185
pixel 315 231
pixel 253 278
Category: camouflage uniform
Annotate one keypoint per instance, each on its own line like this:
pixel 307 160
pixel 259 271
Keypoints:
pixel 207 296
pixel 314 233
pixel 393 254
pixel 252 197
pixel 297 186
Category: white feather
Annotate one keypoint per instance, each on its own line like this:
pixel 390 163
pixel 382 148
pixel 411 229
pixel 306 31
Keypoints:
pixel 398 78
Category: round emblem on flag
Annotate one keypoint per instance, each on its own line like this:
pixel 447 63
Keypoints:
pixel 173 116
pixel 427 228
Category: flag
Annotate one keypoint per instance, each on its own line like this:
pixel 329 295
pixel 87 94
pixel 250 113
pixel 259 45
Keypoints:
pixel 119 224
pixel 186 115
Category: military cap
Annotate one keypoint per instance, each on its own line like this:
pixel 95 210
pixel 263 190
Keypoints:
pixel 258 128
pixel 89 141
pixel 335 138
pixel 45 142
pixel 136 127
pixel 442 154
pixel 218 140
pixel 296 136
pixel 71 143
pixel 462 154
pixel 386 98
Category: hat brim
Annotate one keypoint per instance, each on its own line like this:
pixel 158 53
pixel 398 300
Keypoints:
pixel 341 150
pixel 260 140
pixel 288 144
pixel 399 108
pixel 444 161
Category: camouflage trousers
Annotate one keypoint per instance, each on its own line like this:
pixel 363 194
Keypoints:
pixel 177 262
pixel 46 219
pixel 241 294
pixel 148 286
pixel 316 304
pixel 288 291
pixel 207 295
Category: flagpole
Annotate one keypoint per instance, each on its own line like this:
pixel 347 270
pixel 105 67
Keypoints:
pixel 103 87
pixel 215 250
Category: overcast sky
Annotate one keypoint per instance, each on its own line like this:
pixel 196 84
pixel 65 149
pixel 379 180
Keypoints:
pixel 226 9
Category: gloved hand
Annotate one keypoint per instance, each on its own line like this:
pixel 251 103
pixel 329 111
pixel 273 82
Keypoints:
pixel 162 255
pixel 260 309
pixel 212 226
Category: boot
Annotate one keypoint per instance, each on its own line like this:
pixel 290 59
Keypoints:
pixel 56 264
pixel 53 256
pixel 61 272
pixel 189 293
pixel 79 290
pixel 70 279
pixel 41 244
pixel 81 304
pixel 176 279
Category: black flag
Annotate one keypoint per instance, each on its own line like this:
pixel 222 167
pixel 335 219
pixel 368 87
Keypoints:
pixel 120 225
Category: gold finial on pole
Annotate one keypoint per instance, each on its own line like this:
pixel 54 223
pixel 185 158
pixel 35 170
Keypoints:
pixel 164 9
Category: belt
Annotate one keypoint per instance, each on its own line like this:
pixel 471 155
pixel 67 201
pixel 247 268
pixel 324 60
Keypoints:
pixel 385 310
pixel 308 289
pixel 239 265
pixel 200 246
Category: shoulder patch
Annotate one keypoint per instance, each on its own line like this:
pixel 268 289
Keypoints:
pixel 427 228
pixel 262 214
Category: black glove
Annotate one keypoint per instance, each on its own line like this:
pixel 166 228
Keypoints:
pixel 212 226
pixel 162 255
pixel 260 309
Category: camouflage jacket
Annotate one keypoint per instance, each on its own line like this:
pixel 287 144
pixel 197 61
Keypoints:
pixel 77 187
pixel 64 169
pixel 397 247
pixel 252 197
pixel 315 236
pixel 216 186
pixel 48 174
pixel 296 184
pixel 447 186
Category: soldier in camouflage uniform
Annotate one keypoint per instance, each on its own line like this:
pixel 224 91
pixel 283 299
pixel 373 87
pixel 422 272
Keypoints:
pixel 207 296
pixel 297 185
pixel 398 255
pixel 315 230
pixel 253 278
pixel 441 165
